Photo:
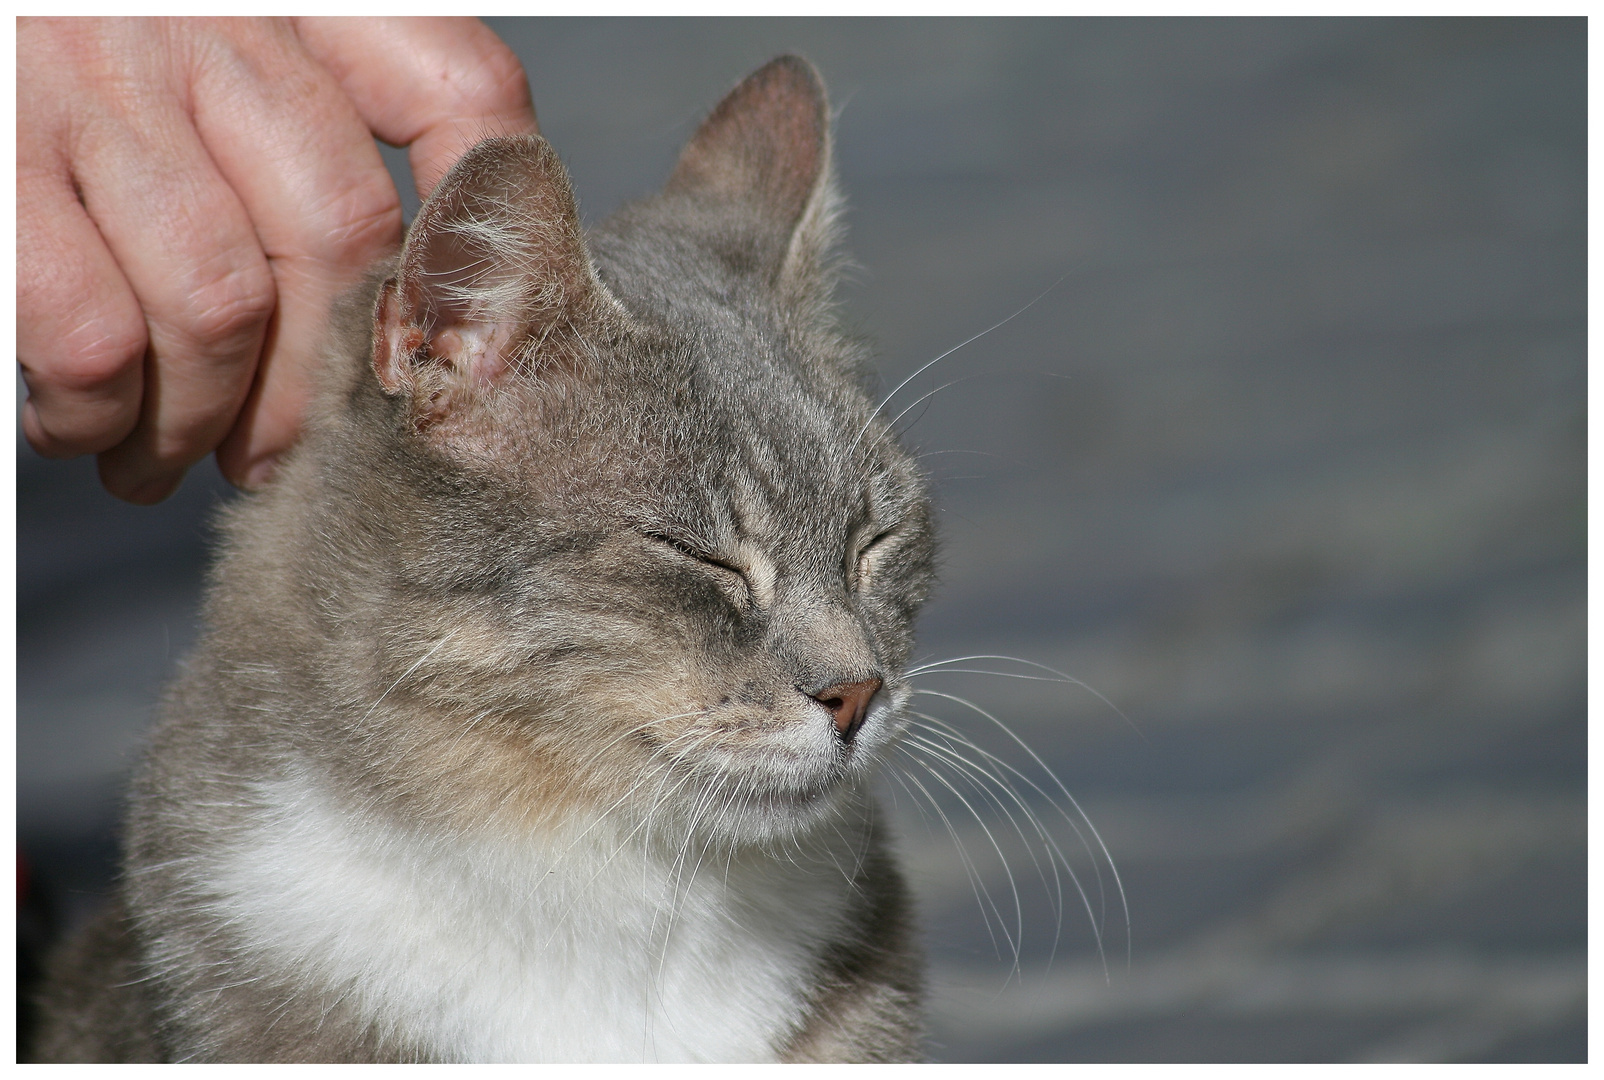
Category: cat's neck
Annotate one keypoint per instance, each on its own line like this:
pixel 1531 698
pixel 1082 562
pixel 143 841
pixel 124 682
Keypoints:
pixel 590 943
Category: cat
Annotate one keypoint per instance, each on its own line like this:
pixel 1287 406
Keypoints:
pixel 541 693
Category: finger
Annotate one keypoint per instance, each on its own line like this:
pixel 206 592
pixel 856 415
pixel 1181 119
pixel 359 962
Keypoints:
pixel 80 334
pixel 437 85
pixel 271 419
pixel 305 165
pixel 190 254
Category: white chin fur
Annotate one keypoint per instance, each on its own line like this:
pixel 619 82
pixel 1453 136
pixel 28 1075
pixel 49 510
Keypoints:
pixel 580 947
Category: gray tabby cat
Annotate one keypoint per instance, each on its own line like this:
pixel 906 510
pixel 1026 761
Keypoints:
pixel 541 693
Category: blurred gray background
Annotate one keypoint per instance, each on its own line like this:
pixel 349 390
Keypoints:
pixel 1289 466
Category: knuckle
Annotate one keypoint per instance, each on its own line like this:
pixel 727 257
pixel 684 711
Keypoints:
pixel 371 208
pixel 59 426
pixel 93 355
pixel 505 86
pixel 221 309
pixel 361 217
pixel 494 82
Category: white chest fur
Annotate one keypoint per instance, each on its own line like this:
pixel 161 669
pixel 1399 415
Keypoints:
pixel 571 951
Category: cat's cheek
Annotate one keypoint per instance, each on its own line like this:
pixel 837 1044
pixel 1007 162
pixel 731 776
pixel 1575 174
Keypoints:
pixel 892 621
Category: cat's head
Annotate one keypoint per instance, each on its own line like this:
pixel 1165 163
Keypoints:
pixel 628 533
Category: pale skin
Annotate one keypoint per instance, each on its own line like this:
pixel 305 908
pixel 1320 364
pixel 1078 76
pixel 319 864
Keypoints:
pixel 191 196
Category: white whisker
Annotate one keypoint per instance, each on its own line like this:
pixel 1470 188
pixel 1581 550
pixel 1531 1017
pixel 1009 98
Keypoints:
pixel 931 363
pixel 1015 939
pixel 416 664
pixel 977 776
pixel 977 883
pixel 1056 855
pixel 927 395
pixel 1114 870
pixel 1059 676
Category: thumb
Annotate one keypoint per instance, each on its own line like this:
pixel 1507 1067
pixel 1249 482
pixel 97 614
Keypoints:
pixel 436 85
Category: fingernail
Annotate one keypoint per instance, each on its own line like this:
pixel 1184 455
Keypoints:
pixel 38 437
pixel 259 474
pixel 154 491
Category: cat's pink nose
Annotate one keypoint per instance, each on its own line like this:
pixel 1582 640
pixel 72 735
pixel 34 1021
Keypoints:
pixel 848 704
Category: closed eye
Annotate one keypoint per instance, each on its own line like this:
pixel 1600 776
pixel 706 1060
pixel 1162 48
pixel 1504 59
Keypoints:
pixel 691 551
pixel 868 555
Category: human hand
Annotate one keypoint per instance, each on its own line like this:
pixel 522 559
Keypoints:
pixel 191 196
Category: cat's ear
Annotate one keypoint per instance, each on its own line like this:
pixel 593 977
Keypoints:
pixel 494 279
pixel 766 147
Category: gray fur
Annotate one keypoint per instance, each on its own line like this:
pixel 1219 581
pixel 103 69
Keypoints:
pixel 478 562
